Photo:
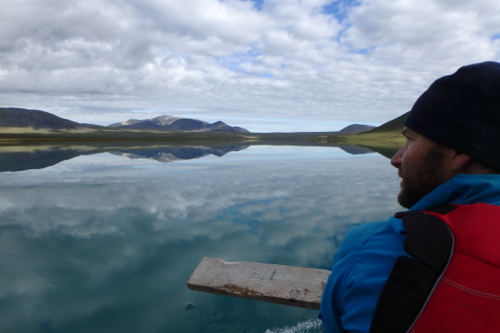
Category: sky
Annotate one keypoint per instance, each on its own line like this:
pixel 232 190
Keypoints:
pixel 266 65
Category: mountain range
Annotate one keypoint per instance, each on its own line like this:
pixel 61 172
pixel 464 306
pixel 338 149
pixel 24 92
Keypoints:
pixel 18 117
pixel 171 123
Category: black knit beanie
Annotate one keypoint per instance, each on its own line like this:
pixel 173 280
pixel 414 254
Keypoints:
pixel 462 111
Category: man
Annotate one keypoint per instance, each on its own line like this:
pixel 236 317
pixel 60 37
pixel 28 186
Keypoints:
pixel 451 156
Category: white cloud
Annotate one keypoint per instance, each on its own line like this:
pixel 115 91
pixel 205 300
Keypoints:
pixel 102 60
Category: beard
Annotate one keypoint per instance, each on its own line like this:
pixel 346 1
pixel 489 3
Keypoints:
pixel 420 179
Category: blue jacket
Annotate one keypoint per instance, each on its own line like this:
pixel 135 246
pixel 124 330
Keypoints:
pixel 368 252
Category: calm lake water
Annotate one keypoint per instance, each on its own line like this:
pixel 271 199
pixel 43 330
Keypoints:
pixel 106 242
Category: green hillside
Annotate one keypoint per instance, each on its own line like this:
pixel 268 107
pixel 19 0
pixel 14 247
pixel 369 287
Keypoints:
pixel 395 125
pixel 385 139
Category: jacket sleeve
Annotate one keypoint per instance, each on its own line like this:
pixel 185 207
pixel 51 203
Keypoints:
pixel 357 278
pixel 330 312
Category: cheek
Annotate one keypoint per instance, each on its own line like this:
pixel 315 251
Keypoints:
pixel 414 154
pixel 408 157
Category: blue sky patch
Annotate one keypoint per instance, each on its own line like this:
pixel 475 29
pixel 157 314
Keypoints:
pixel 340 8
pixel 497 36
pixel 342 32
pixel 257 4
pixel 234 62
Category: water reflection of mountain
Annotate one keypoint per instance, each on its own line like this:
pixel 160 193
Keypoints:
pixel 26 158
pixel 355 150
pixel 35 159
pixel 172 154
pixel 38 157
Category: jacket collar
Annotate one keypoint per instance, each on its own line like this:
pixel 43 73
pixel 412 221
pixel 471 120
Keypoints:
pixel 462 189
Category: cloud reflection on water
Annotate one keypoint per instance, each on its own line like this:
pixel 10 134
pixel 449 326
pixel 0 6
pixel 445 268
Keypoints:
pixel 103 244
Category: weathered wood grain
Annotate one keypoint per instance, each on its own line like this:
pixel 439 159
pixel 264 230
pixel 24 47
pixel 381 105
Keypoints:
pixel 288 285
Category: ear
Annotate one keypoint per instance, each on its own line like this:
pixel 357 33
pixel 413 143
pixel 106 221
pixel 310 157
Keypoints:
pixel 460 161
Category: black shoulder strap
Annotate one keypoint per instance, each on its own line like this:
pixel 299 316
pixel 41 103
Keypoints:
pixel 411 282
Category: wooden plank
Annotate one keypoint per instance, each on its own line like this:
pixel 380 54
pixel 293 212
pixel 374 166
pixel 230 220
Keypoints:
pixel 288 285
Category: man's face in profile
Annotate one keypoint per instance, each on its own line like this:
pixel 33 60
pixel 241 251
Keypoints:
pixel 422 164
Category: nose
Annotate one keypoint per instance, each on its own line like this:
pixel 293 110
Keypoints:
pixel 398 157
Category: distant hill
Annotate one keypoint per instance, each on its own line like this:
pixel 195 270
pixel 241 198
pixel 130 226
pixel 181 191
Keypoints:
pixel 385 139
pixel 16 117
pixel 171 123
pixel 355 129
pixel 392 125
